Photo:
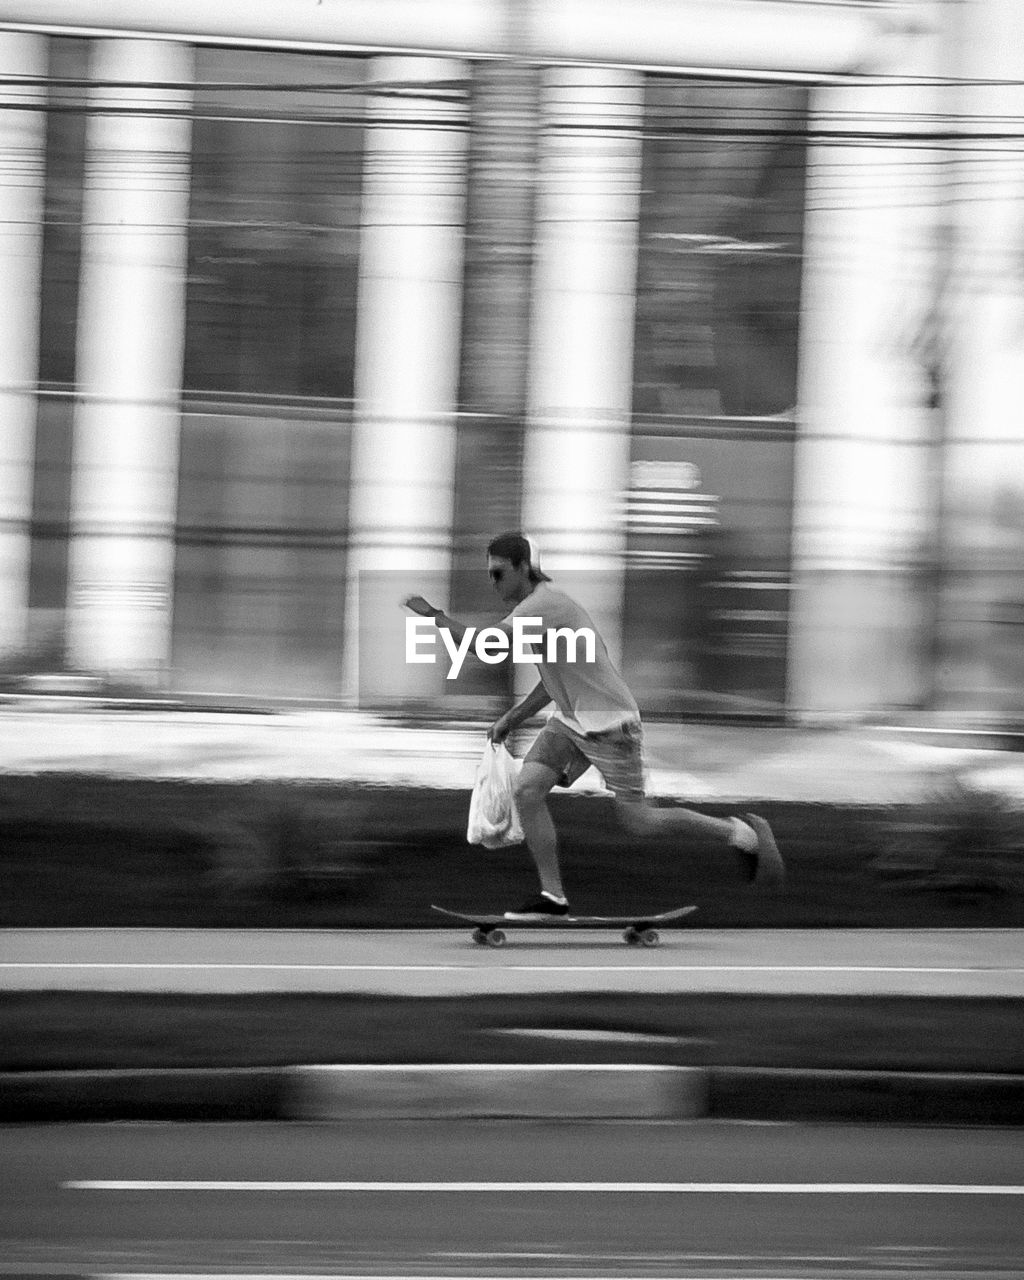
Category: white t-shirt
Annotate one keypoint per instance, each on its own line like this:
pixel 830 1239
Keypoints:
pixel 589 697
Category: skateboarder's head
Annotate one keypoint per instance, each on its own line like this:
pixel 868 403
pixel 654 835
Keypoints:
pixel 513 563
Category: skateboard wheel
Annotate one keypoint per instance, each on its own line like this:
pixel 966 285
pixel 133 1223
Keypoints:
pixel 631 936
pixel 650 937
pixel 479 937
pixel 496 938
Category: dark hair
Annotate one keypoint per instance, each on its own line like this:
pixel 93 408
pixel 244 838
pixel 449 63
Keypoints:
pixel 515 547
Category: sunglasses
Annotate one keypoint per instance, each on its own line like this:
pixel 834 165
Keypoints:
pixel 496 575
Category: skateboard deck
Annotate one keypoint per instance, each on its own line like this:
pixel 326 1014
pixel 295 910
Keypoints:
pixel 640 929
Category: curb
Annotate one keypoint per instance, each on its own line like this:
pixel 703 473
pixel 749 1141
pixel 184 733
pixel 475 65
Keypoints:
pixel 555 1091
pixel 154 1094
pixel 516 1091
pixel 894 1097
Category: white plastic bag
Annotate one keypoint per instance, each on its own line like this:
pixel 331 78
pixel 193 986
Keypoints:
pixel 493 819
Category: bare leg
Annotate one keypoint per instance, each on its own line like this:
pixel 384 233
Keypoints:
pixel 749 839
pixel 535 781
pixel 641 818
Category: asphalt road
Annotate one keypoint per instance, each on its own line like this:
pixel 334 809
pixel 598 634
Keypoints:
pixel 590 1200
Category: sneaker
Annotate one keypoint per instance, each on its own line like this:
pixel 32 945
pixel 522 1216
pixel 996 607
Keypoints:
pixel 540 907
pixel 771 870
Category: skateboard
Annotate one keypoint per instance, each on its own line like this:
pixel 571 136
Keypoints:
pixel 489 930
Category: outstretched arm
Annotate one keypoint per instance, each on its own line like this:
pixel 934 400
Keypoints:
pixel 426 610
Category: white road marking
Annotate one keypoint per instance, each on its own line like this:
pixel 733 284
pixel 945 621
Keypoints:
pixel 586 1188
pixel 588 1034
pixel 514 968
pixel 410 1275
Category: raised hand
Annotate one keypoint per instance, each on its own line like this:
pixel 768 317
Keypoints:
pixel 418 605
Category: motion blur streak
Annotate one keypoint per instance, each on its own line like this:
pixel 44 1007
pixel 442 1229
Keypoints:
pixel 723 306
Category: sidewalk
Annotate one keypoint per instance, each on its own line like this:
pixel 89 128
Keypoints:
pixel 560 1092
pixel 702 762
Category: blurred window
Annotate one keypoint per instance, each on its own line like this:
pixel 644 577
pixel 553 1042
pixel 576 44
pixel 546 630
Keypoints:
pixel 62 208
pixel 709 507
pixel 277 154
pixel 721 232
pixel 273 240
pixel 261 562
pixel 63 193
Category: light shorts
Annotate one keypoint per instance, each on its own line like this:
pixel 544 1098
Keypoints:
pixel 616 753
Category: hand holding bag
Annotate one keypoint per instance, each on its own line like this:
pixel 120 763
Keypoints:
pixel 493 819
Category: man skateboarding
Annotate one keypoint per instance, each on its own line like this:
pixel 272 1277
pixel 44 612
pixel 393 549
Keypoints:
pixel 595 721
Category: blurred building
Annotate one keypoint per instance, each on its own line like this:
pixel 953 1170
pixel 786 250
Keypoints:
pixel 722 300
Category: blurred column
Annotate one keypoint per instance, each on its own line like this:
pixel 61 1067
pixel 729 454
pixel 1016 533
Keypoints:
pixel 129 359
pixel 981 672
pixel 22 151
pixel 864 492
pixel 407 346
pixel 581 375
